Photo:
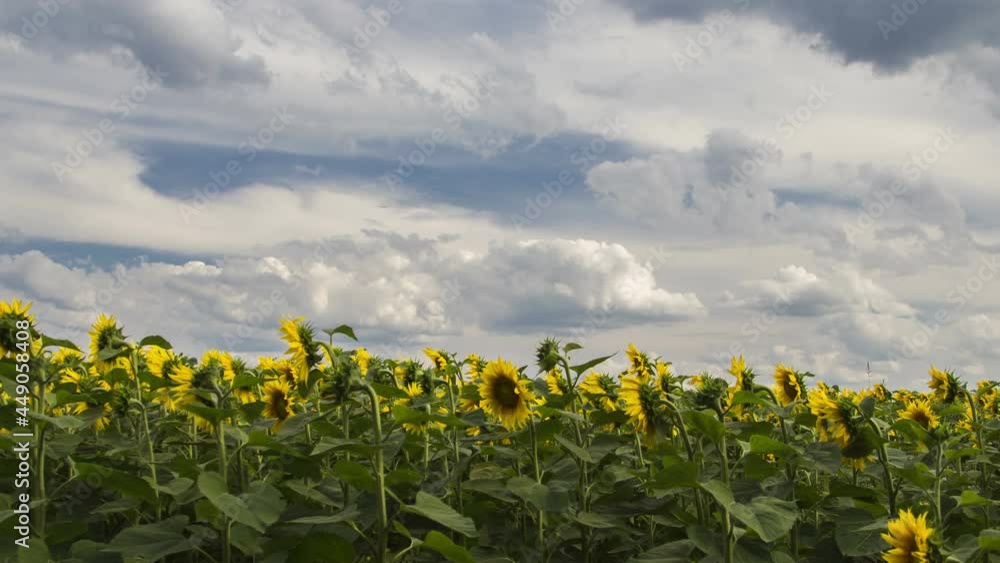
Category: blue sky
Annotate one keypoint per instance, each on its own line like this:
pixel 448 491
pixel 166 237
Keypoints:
pixel 795 183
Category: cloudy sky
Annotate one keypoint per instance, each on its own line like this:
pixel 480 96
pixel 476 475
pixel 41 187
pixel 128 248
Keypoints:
pixel 796 181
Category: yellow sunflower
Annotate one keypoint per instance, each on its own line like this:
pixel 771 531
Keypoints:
pixel 787 384
pixel 642 402
pixel 179 376
pixel 920 411
pixel 505 396
pixel 639 364
pixel 225 361
pixel 832 417
pixel 303 348
pixel 944 384
pixel 282 368
pixel 278 401
pixel 86 383
pixel 363 359
pixel 601 387
pixel 104 331
pixel 909 537
pixel 476 365
pixel 14 311
pixel 413 391
pixel 556 382
pixel 437 358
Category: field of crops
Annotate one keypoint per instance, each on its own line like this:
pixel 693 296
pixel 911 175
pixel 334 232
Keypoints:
pixel 328 453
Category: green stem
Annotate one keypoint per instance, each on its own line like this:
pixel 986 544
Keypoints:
pixel 220 434
pixel 727 522
pixel 538 478
pixel 40 457
pixel 938 468
pixel 346 424
pixel 383 517
pixel 790 471
pixel 883 459
pixel 145 424
pixel 454 444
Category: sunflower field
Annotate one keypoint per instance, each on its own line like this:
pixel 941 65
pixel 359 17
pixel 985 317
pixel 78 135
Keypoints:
pixel 126 450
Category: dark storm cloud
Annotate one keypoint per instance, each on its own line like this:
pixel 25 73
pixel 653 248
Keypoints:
pixel 888 33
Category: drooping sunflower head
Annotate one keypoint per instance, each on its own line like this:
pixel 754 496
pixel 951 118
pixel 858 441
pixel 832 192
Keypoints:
pixel 437 358
pixel 945 385
pixel 710 392
pixel 600 387
pixel 104 333
pixel 279 402
pixel 336 381
pixel 639 364
pixel 302 346
pixel 909 536
pixel 505 395
pixel 835 417
pixel 744 375
pixel 788 386
pixel 643 402
pixel 920 411
pixel 283 369
pixel 880 392
pixel 243 385
pixel 547 354
pixel 11 314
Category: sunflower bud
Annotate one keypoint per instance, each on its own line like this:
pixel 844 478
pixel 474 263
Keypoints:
pixel 547 354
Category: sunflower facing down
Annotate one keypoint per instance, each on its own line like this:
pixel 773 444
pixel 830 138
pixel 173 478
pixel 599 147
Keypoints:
pixel 600 387
pixel 920 411
pixel 436 357
pixel 556 383
pixel 639 363
pixel 909 537
pixel 944 384
pixel 278 402
pixel 505 396
pixel 178 375
pixel 86 384
pixel 787 384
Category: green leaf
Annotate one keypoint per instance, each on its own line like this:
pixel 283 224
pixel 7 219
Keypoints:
pixel 971 498
pixel 435 509
pixel 111 353
pixel 594 520
pixel 265 501
pixel 152 542
pixel 749 398
pixel 824 456
pixel 323 548
pixel 38 552
pixel 355 475
pixel 210 414
pixel 342 329
pixel 212 486
pixel 440 543
pixel 155 340
pixel 349 513
pixel 989 540
pixel 570 346
pixel 64 422
pixel 764 445
pixel 858 534
pixel 769 517
pixel 591 364
pixel 47 342
pixel 867 406
pixel 706 424
pixel 576 451
pixel 127 484
pixel 678 551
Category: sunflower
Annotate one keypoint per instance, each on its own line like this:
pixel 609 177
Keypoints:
pixel 880 392
pixel 103 334
pixel 547 354
pixel 244 393
pixel 944 384
pixel 642 401
pixel 787 384
pixel 505 396
pixel 476 365
pixel 436 357
pixel 278 401
pixel 282 368
pixel 920 411
pixel 362 358
pixel 744 375
pixel 179 377
pixel 304 349
pixel 664 378
pixel 10 313
pixel 909 537
pixel 414 391
pixel 601 387
pixel 223 359
pixel 86 383
pixel 556 383
pixel 410 371
pixel 833 416
pixel 639 364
